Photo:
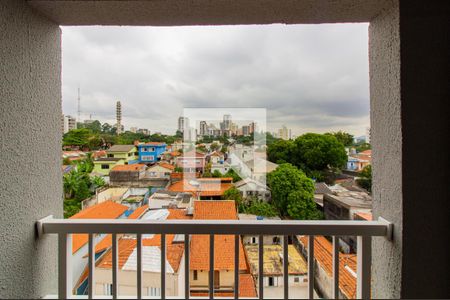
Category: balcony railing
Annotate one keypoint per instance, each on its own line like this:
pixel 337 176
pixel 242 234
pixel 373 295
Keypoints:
pixel 364 230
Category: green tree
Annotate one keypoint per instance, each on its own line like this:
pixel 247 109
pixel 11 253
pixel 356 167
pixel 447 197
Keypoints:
pixel 71 207
pixel 260 208
pixel 95 126
pixel 362 147
pixel 314 151
pixel 106 128
pixel 97 182
pixel 365 178
pixel 214 147
pixel 231 173
pixel 77 137
pixel 216 174
pixel 280 151
pixel 234 194
pixel 345 138
pixel 292 192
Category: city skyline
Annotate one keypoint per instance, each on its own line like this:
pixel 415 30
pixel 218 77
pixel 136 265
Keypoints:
pixel 155 73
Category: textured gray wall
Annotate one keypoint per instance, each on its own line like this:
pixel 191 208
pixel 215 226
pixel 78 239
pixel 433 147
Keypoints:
pixel 30 172
pixel 386 139
pixel 207 12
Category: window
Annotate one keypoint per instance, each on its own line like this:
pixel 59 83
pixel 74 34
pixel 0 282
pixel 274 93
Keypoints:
pixel 296 279
pixel 154 291
pixel 104 167
pixel 151 149
pixel 253 240
pixel 110 155
pixel 130 154
pixel 107 289
pixel 195 275
pixel 148 157
pixel 271 281
pixel 276 240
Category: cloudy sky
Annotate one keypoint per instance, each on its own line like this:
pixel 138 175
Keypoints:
pixel 311 78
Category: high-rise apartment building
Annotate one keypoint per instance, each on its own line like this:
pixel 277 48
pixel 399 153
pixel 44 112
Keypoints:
pixel 203 128
pixel 68 123
pixel 183 123
pixel 284 133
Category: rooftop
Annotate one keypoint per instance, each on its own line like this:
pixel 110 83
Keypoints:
pixel 133 167
pixel 350 199
pixel 108 159
pixel 323 255
pixel 104 210
pixel 223 244
pixel 273 260
pixel 209 187
pixel 121 148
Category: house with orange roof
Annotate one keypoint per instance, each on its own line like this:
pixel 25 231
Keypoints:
pixel 160 170
pixel 192 161
pixel 151 260
pixel 323 268
pixel 121 174
pixel 203 188
pixel 104 210
pixel 223 254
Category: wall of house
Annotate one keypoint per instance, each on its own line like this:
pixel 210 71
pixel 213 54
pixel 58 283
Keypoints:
pixel 226 278
pixel 128 282
pixel 105 172
pixel 30 118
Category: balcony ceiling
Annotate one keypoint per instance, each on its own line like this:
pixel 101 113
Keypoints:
pixel 207 12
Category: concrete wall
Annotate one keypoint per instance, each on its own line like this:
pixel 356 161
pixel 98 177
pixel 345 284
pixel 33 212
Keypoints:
pixel 30 118
pixel 386 137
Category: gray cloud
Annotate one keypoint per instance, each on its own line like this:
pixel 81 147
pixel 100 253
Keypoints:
pixel 310 78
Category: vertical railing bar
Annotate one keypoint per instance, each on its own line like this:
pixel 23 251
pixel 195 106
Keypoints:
pixel 285 267
pixel 139 265
pixel 115 259
pixel 186 267
pixel 311 267
pixel 364 256
pixel 335 291
pixel 64 266
pixel 211 266
pixel 163 266
pixel 261 266
pixel 91 264
pixel 236 266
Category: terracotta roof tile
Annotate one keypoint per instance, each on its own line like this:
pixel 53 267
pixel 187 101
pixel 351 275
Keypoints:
pixel 223 244
pixel 207 187
pixel 167 166
pixel 133 167
pixel 137 213
pixel 363 216
pixel 104 210
pixel 323 255
pixel 127 245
